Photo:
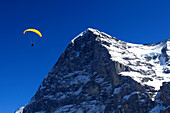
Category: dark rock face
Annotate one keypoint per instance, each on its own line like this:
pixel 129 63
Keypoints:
pixel 129 97
pixel 166 55
pixel 163 98
pixel 164 94
pixel 85 79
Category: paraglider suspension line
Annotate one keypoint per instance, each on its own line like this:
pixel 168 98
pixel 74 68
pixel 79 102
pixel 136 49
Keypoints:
pixel 32 41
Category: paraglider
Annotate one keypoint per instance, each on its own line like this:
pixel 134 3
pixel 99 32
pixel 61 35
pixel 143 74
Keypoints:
pixel 35 31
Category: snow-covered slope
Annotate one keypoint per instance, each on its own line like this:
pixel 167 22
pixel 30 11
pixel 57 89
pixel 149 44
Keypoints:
pixel 99 73
pixel 147 62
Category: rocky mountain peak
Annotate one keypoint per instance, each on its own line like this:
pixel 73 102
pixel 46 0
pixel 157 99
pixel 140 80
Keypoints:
pixel 93 35
pixel 99 73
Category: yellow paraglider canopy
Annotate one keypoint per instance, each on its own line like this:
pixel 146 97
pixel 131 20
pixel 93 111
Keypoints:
pixel 33 30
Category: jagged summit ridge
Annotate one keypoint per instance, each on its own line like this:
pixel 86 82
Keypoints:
pixel 91 31
pixel 84 32
pixel 99 73
pixel 99 33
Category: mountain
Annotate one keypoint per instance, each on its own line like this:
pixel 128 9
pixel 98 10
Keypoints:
pixel 98 73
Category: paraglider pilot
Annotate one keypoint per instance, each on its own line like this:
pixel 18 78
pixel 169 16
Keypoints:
pixel 35 31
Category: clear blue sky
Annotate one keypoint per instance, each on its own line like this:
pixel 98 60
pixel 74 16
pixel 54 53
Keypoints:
pixel 23 68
